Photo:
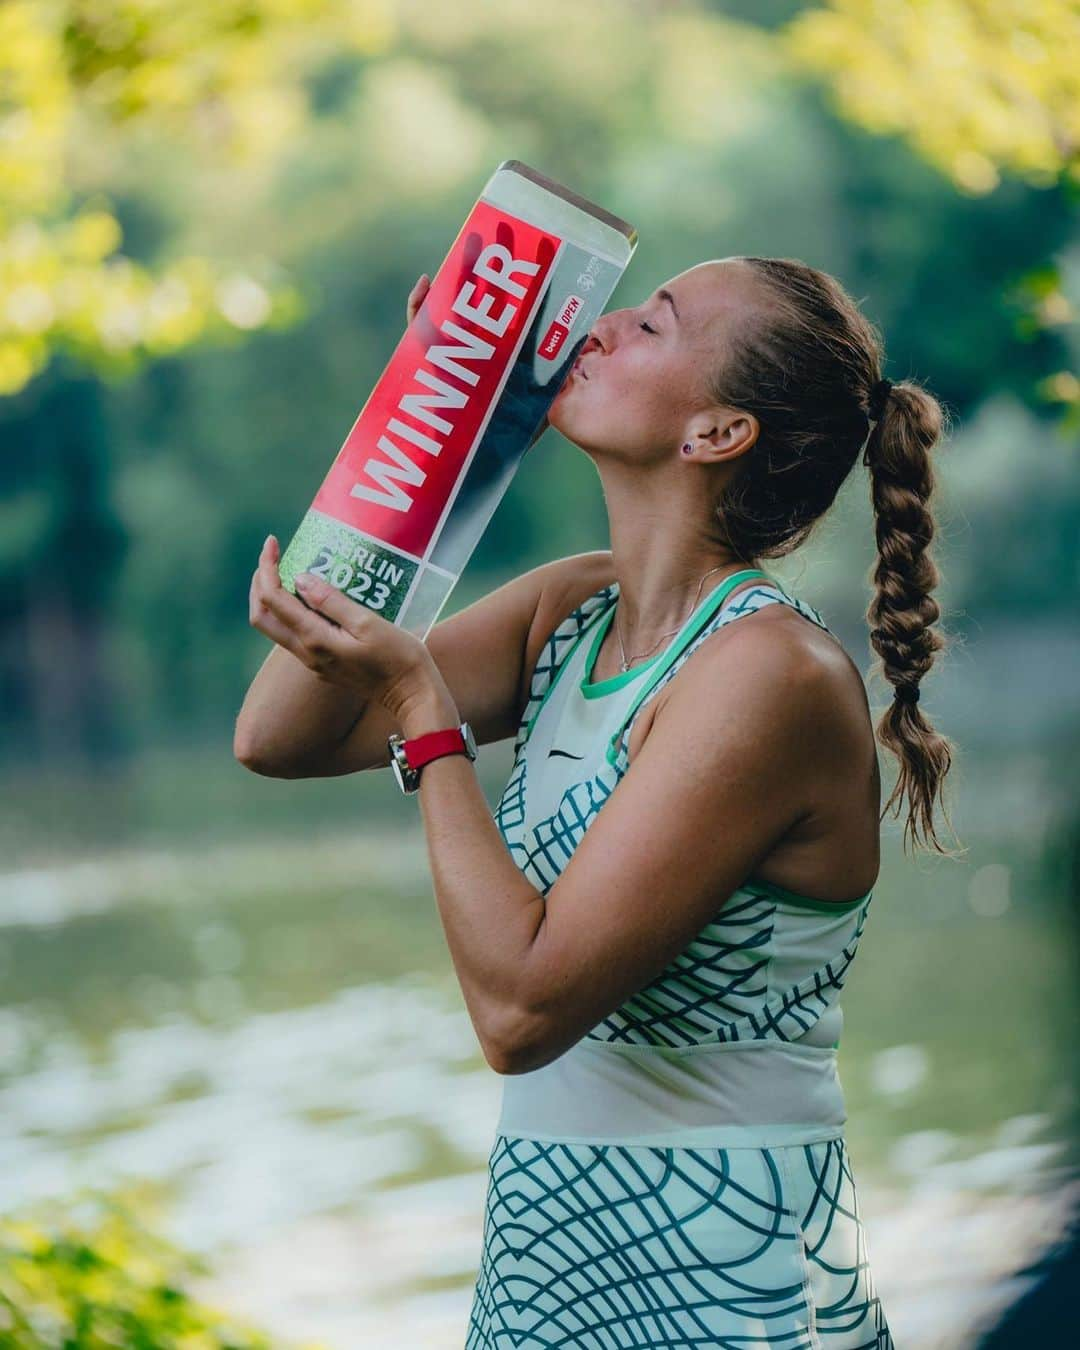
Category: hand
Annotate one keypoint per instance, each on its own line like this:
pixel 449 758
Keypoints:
pixel 416 296
pixel 340 641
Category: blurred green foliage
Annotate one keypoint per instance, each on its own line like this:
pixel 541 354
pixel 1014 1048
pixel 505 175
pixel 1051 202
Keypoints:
pixel 90 1272
pixel 977 86
pixel 211 217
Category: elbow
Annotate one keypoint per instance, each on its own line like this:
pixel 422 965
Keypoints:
pixel 255 756
pixel 519 1044
pixel 497 1058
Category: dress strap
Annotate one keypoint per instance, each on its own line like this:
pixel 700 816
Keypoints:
pixel 713 613
pixel 714 617
pixel 556 653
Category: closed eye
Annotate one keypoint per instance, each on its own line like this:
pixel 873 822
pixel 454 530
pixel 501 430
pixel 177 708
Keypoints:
pixel 648 329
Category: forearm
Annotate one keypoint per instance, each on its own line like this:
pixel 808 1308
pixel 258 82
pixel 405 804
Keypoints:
pixel 490 913
pixel 289 713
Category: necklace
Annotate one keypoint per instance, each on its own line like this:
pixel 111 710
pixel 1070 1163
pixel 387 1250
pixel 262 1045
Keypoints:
pixel 626 660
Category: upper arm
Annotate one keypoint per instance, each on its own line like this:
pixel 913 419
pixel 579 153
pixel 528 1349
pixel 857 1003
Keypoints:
pixel 486 653
pixel 720 778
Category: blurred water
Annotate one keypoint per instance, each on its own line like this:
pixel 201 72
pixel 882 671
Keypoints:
pixel 274 1031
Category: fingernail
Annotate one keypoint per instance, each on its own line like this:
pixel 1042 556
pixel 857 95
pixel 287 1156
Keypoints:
pixel 304 579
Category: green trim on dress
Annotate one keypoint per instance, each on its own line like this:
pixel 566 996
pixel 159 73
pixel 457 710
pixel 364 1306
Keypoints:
pixel 697 621
pixel 558 674
pixel 806 901
pixel 599 626
pixel 608 686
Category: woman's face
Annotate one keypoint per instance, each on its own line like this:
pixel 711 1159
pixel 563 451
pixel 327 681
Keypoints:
pixel 639 387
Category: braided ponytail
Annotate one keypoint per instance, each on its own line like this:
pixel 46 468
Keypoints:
pixel 806 369
pixel 907 422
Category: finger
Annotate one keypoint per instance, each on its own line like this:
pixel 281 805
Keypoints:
pixel 265 579
pixel 281 616
pixel 268 565
pixel 328 601
pixel 264 582
pixel 314 631
pixel 256 577
pixel 416 296
pixel 260 600
pixel 315 649
pixel 263 621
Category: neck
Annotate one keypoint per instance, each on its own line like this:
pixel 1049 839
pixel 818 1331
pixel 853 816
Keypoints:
pixel 661 569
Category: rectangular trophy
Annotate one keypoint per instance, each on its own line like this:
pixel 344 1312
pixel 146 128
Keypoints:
pixel 448 422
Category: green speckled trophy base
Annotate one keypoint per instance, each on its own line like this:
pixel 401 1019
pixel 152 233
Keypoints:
pixel 368 572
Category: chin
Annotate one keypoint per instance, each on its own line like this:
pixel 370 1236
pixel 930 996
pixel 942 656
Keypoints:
pixel 561 415
pixel 565 427
pixel 555 411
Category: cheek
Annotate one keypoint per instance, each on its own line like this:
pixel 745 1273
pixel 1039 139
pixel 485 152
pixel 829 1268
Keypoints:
pixel 635 397
pixel 647 387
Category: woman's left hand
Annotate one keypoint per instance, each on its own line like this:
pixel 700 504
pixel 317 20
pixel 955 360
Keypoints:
pixel 343 642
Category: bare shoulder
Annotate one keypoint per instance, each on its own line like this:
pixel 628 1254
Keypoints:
pixel 773 704
pixel 780 675
pixel 568 582
pixel 564 584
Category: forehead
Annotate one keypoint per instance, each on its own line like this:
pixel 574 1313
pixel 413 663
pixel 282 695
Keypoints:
pixel 716 292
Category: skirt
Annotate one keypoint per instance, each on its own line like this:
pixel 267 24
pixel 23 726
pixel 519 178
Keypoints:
pixel 634 1247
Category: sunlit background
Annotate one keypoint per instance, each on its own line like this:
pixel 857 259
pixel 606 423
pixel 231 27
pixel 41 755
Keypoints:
pixel 233 992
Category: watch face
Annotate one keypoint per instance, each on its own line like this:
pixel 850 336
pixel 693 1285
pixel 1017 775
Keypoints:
pixel 408 780
pixel 470 740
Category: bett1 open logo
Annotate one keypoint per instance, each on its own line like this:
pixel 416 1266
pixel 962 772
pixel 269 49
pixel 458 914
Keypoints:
pixel 556 335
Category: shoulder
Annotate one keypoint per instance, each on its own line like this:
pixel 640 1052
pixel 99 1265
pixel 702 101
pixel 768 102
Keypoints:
pixel 781 680
pixel 561 585
pixel 567 583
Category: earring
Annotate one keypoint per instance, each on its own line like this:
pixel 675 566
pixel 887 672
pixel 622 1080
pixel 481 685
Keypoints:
pixel 687 448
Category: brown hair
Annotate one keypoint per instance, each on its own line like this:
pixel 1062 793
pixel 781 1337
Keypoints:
pixel 809 370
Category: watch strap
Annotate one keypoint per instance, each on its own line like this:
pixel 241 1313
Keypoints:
pixel 422 750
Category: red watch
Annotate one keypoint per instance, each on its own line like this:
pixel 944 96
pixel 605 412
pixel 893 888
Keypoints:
pixel 407 758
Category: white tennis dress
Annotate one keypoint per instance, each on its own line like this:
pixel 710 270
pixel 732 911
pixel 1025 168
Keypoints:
pixel 679 1177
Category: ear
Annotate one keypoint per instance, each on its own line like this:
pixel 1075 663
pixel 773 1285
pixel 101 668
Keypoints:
pixel 720 434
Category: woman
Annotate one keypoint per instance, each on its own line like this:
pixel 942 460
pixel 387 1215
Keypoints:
pixel 658 982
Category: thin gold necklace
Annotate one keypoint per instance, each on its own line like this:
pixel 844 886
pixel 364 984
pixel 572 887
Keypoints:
pixel 626 660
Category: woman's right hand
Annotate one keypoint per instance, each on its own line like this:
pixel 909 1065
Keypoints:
pixel 416 297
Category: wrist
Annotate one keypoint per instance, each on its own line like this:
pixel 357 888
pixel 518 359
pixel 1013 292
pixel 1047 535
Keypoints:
pixel 430 708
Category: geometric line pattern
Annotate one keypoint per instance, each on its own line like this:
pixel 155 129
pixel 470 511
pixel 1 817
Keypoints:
pixel 597 1245
pixel 720 987
pixel 717 988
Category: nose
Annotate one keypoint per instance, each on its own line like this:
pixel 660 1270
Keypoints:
pixel 597 339
pixel 606 330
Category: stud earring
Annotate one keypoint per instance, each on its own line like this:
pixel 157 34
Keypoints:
pixel 687 448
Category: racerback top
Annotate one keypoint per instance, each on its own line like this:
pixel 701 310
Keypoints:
pixel 735 1042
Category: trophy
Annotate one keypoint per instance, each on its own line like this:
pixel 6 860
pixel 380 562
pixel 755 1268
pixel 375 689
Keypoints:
pixel 462 398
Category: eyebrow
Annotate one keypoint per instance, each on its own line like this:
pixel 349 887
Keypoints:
pixel 666 295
